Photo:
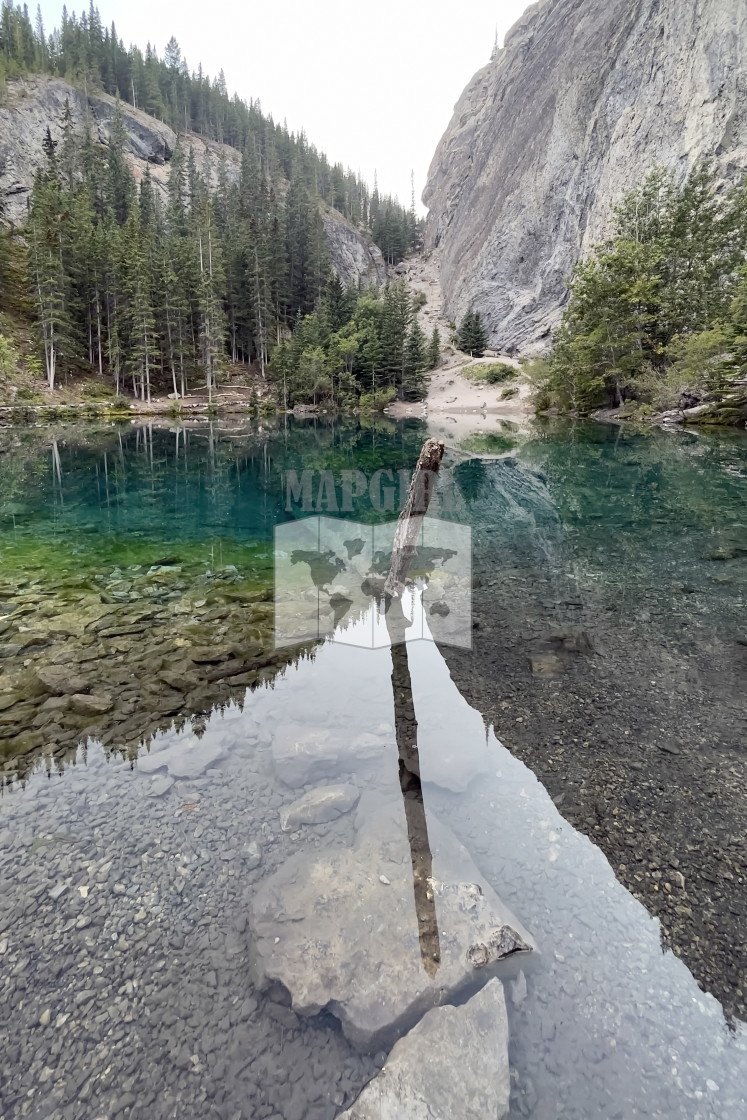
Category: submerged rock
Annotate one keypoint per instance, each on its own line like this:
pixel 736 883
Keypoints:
pixel 60 680
pixel 303 755
pixel 453 1064
pixel 84 705
pixel 356 932
pixel 189 758
pixel 545 664
pixel 319 806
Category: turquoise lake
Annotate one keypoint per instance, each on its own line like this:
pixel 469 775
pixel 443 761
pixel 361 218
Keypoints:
pixel 179 938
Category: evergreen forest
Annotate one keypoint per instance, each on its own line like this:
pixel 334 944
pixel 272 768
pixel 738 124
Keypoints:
pixel 157 291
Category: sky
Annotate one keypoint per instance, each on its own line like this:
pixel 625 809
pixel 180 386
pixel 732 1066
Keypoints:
pixel 373 85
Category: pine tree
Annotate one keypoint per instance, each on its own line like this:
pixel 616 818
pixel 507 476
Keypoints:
pixel 138 318
pixel 338 304
pixel 120 185
pixel 395 326
pixel 434 350
pixel 211 317
pixel 472 338
pixel 416 363
pixel 48 278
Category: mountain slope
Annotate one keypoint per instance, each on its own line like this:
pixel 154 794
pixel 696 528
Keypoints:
pixel 32 104
pixel 584 98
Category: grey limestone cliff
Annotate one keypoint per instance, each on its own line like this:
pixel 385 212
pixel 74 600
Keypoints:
pixel 583 99
pixel 354 257
pixel 33 104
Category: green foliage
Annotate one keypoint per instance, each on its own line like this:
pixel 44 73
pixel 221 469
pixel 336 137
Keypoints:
pixel 375 402
pixel 491 373
pixel 509 393
pixel 9 358
pixel 472 337
pixel 660 308
pixel 96 391
pixel 356 348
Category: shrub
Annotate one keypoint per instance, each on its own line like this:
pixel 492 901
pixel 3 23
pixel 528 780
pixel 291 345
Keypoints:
pixel 492 373
pixel 375 402
pixel 497 372
pixel 509 393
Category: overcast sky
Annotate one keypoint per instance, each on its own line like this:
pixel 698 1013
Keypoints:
pixel 373 85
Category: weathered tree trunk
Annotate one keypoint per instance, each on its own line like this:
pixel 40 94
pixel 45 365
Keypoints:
pixel 411 518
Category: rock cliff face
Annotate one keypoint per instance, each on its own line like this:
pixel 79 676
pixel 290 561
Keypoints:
pixel 34 104
pixel 354 257
pixel 584 98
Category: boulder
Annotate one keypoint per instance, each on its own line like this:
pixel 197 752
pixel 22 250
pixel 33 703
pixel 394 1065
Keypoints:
pixel 341 928
pixel 452 1066
pixel 319 806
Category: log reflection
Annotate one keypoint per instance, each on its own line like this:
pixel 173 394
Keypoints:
pixel 406 728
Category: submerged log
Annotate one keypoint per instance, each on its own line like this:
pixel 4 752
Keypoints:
pixel 411 518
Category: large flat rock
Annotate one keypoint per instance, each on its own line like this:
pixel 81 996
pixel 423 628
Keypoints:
pixel 452 1066
pixel 354 931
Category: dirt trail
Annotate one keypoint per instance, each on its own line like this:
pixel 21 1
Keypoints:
pixel 449 391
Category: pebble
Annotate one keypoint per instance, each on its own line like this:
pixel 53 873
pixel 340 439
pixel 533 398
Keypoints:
pixel 252 855
pixel 45 1018
pixel 383 879
pixel 161 785
pixel 56 892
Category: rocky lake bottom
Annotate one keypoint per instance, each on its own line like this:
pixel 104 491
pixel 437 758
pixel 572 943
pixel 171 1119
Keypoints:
pixel 249 882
